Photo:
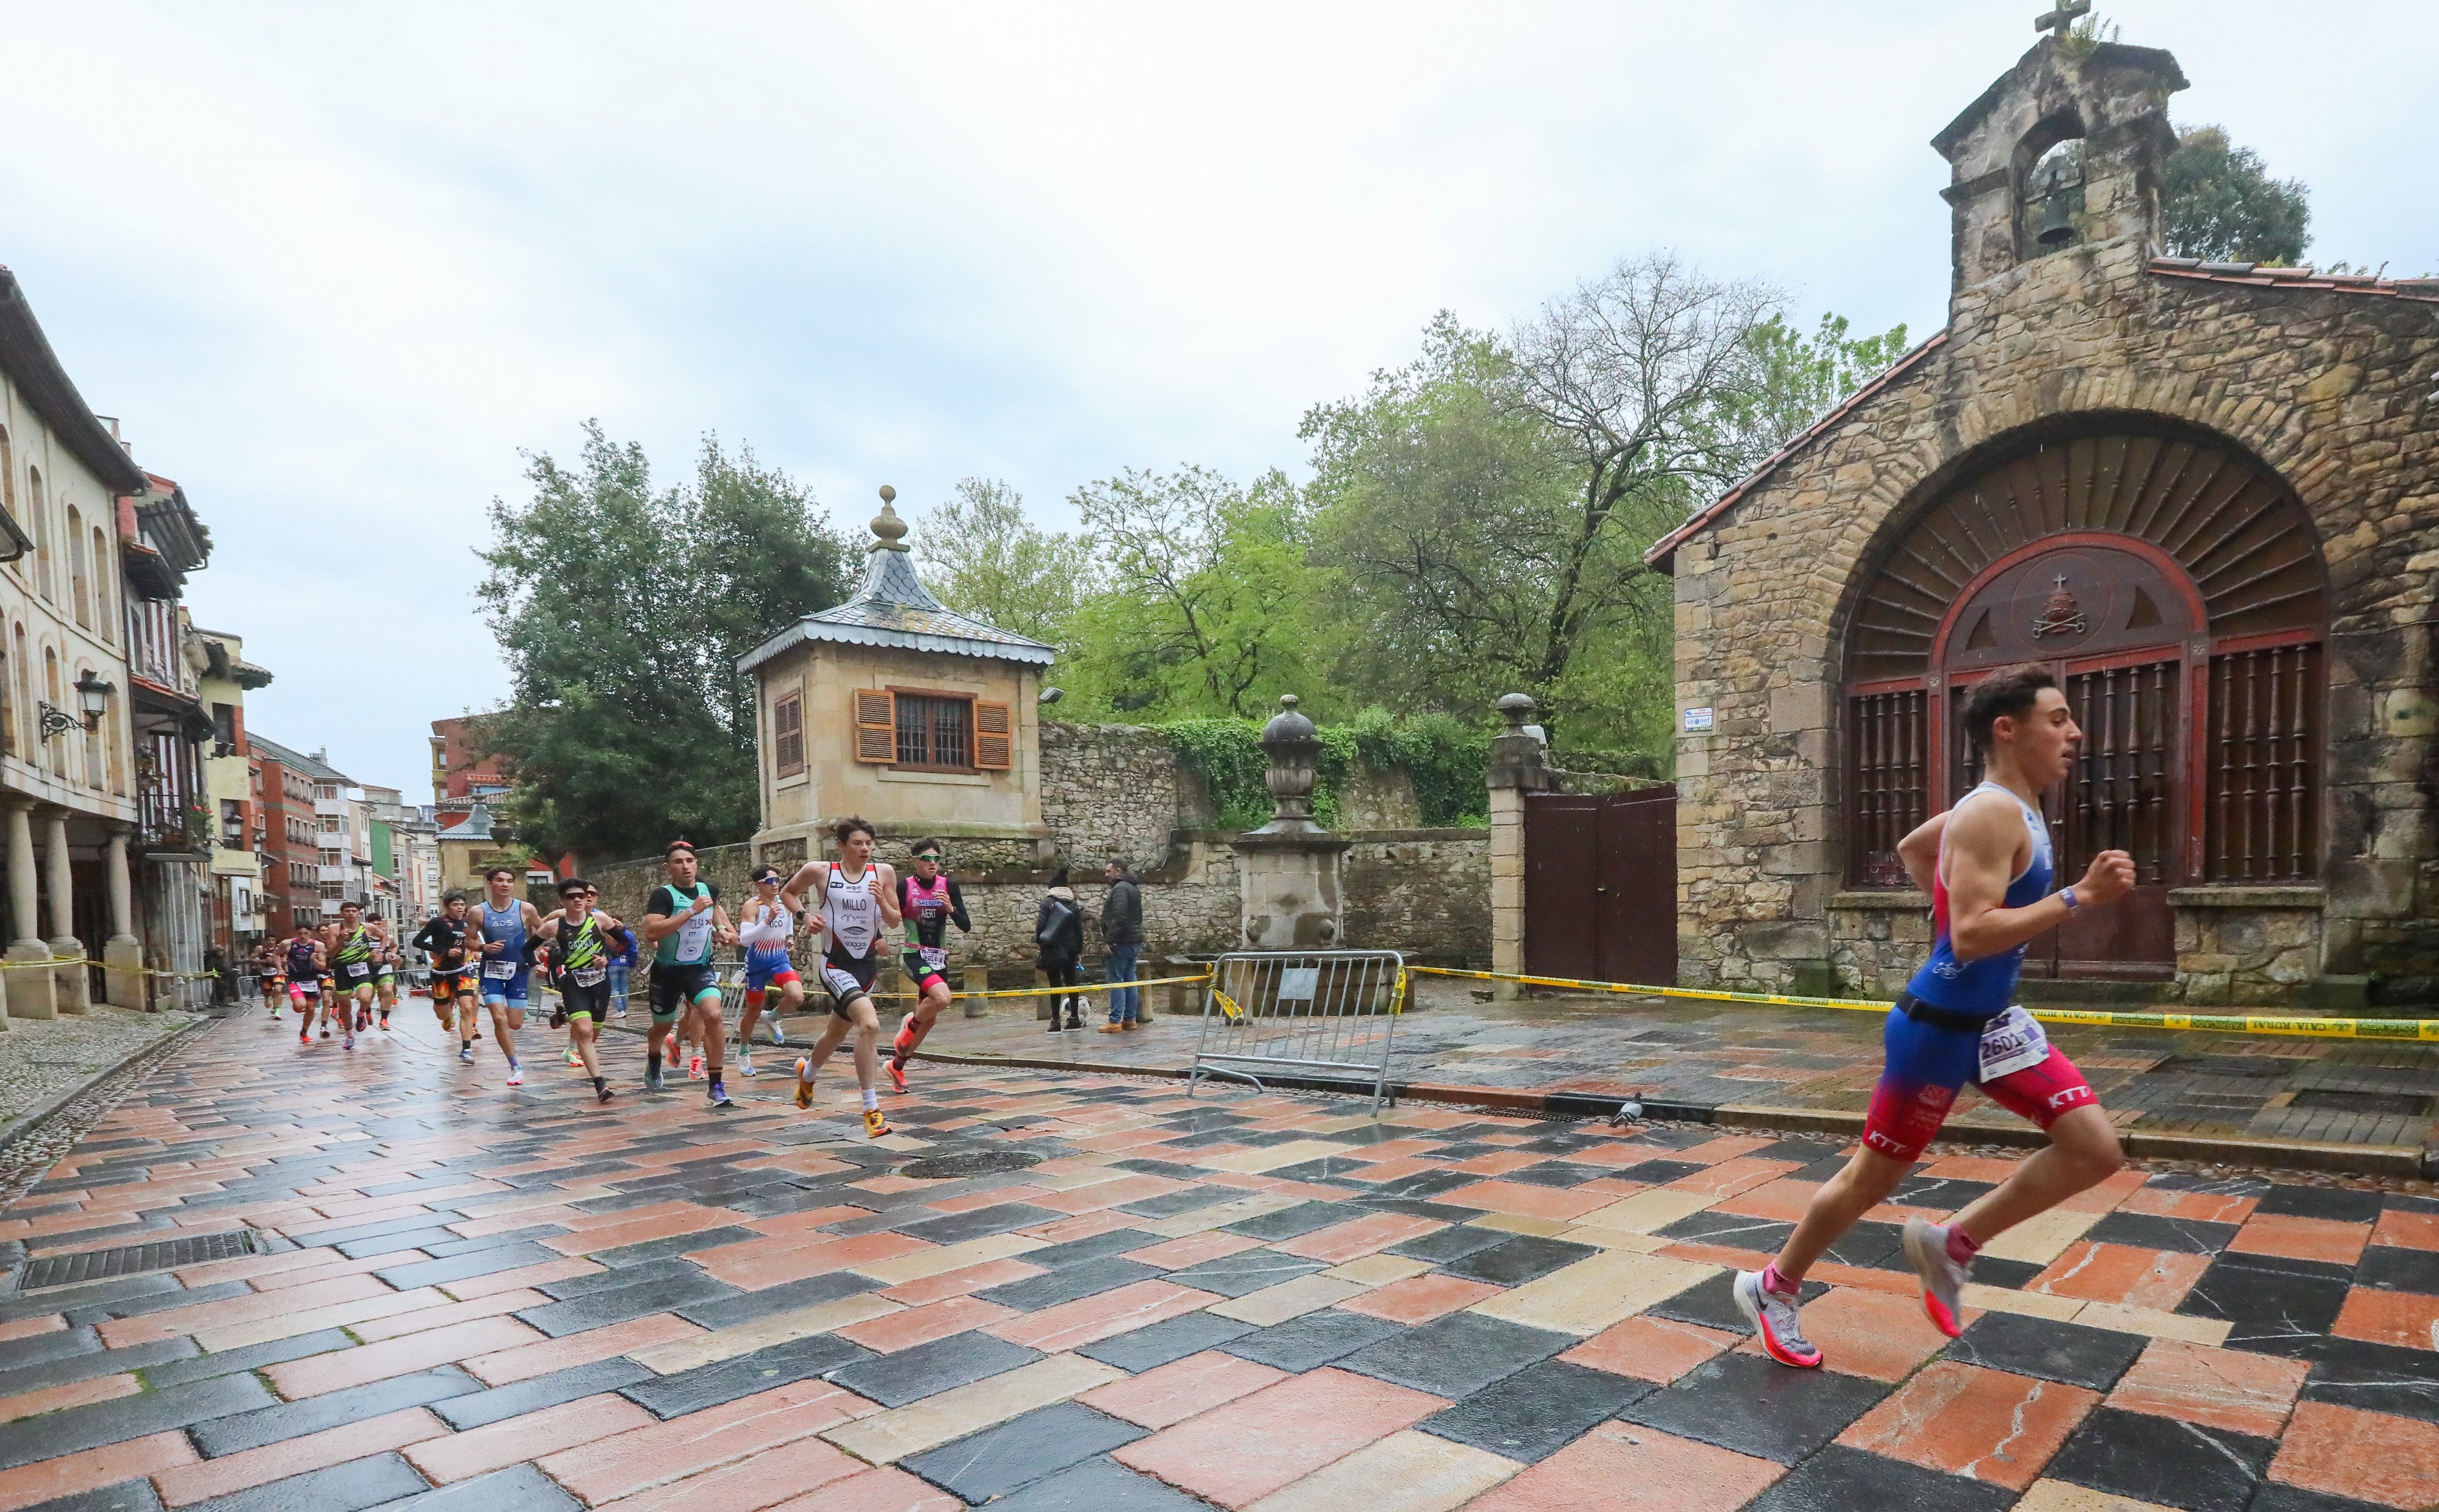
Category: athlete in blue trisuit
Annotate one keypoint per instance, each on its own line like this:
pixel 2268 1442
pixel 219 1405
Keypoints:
pixel 506 925
pixel 1985 864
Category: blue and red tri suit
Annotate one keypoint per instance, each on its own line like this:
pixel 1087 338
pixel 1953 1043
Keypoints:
pixel 1933 1036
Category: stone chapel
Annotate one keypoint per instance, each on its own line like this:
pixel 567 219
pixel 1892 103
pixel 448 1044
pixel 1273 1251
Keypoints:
pixel 2206 495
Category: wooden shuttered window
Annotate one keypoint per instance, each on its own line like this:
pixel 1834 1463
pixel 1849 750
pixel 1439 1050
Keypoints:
pixel 788 735
pixel 876 726
pixel 994 737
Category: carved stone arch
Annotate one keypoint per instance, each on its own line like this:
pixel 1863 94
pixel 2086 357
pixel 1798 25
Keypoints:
pixel 2175 584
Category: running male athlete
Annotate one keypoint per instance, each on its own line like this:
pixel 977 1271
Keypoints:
pixel 385 966
pixel 1985 864
pixel 930 903
pixel 765 926
pixel 267 971
pixel 506 925
pixel 579 938
pixel 305 982
pixel 856 899
pixel 352 946
pixel 681 923
pixel 446 938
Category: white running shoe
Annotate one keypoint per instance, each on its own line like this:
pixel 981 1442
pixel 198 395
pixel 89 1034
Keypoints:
pixel 573 1058
pixel 516 1075
pixel 466 1055
pixel 1943 1279
pixel 1774 1318
pixel 744 1062
pixel 778 1035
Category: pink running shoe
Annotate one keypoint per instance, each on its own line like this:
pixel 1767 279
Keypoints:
pixel 1774 1318
pixel 1943 1279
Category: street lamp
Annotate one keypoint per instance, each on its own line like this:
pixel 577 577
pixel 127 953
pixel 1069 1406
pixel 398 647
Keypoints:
pixel 93 698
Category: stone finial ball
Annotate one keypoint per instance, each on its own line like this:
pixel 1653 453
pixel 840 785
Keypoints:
pixel 888 494
pixel 1516 708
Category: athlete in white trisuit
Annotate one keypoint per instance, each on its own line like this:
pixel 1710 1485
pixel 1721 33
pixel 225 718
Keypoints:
pixel 765 927
pixel 1985 864
pixel 854 900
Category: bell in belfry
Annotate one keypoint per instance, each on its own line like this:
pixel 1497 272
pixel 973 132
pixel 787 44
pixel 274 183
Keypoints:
pixel 2056 188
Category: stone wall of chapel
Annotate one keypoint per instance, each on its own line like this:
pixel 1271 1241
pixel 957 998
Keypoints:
pixel 2333 389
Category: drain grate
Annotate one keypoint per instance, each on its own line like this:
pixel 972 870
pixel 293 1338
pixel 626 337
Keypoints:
pixel 977 1163
pixel 2397 1104
pixel 100 1265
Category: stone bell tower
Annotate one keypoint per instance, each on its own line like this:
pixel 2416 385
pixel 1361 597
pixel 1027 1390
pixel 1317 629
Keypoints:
pixel 2057 168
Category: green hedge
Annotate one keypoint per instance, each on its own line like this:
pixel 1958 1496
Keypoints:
pixel 1445 758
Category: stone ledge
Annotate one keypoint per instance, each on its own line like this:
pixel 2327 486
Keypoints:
pixel 1881 899
pixel 2245 898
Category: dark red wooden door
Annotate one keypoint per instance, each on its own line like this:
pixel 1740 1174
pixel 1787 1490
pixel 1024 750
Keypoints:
pixel 1600 886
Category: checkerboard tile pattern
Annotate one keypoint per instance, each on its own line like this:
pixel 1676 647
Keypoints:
pixel 522 1300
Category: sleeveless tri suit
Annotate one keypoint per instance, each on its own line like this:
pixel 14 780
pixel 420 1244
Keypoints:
pixel 1956 1022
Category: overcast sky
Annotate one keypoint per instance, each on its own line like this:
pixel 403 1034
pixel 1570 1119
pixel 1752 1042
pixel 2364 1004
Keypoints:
pixel 336 266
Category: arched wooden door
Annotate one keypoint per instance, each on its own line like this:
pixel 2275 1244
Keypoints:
pixel 2176 590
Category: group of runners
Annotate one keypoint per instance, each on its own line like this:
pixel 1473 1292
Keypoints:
pixel 486 952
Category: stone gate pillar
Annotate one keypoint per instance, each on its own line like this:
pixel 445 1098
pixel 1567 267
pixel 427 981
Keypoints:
pixel 1519 765
pixel 29 979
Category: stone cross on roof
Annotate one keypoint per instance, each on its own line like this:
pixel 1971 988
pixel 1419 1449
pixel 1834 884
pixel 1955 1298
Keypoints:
pixel 2060 21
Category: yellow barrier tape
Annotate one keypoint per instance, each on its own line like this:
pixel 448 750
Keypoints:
pixel 1020 992
pixel 123 971
pixel 2299 1028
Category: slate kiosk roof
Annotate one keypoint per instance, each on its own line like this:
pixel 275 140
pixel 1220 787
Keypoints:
pixel 892 608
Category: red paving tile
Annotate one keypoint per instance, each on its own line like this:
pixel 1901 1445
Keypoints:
pixel 921 1326
pixel 446 1314
pixel 2157 1279
pixel 1617 1468
pixel 1394 1170
pixel 960 1282
pixel 1369 1234
pixel 2405 1319
pixel 67 1394
pixel 2369 1456
pixel 1240 1453
pixel 1181 1389
pixel 1498 1165
pixel 788 1261
pixel 1877 1334
pixel 581 1348
pixel 1101 1195
pixel 992 1198
pixel 1653 1348
pixel 688 1220
pixel 1074 1325
pixel 2207 1207
pixel 1725 1148
pixel 787 1475
pixel 643 1458
pixel 2406 1231
pixel 1729 1176
pixel 2302 1238
pixel 1984 1424
pixel 1781 1201
pixel 295 1456
pixel 1176 1254
pixel 342 1368
pixel 2234 1389
pixel 1420 1298
pixel 523 1276
pixel 1524 1200
pixel 881 1490
pixel 1083 1226
pixel 50 1480
pixel 118 1333
pixel 513 1440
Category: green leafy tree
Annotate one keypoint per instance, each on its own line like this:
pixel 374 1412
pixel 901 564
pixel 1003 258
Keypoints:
pixel 620 609
pixel 2223 206
pixel 982 557
pixel 1203 594
pixel 1803 377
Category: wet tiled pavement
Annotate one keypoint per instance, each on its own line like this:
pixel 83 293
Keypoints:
pixel 1708 1055
pixel 478 1298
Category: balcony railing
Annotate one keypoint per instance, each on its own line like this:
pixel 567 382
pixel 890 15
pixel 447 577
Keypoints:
pixel 173 821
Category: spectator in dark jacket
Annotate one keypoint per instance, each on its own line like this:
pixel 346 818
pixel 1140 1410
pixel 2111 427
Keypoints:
pixel 1122 932
pixel 1059 930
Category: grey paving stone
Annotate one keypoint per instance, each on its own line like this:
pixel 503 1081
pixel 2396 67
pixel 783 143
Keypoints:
pixel 1100 1485
pixel 910 1374
pixel 692 1391
pixel 1073 1252
pixel 608 1280
pixel 2163 1461
pixel 2376 1378
pixel 676 1244
pixel 1457 1355
pixel 2337 1203
pixel 979 1223
pixel 126 1496
pixel 2277 1306
pixel 1521 1258
pixel 535 1393
pixel 2065 1352
pixel 1537 1412
pixel 1443 1245
pixel 91 1294
pixel 189 1365
pixel 1756 1406
pixel 1850 1480
pixel 1287 1222
pixel 2387 1268
pixel 1070 1284
pixel 69 1368
pixel 1233 1276
pixel 1000 1459
pixel 472 1263
pixel 350 1487
pixel 2151 1232
pixel 1312 1340
pixel 520 1488
pixel 395 1243
pixel 158 1302
pixel 598 1309
pixel 786 1298
pixel 1168 1204
pixel 1171 1339
pixel 75 1429
pixel 37 1349
pixel 228 1434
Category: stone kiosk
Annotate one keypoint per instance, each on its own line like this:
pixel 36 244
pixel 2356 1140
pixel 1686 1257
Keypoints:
pixel 2206 495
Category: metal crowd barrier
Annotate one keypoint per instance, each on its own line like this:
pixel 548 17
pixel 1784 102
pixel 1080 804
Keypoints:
pixel 1330 1011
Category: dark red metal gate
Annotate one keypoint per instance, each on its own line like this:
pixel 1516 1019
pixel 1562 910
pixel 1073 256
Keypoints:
pixel 1600 885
